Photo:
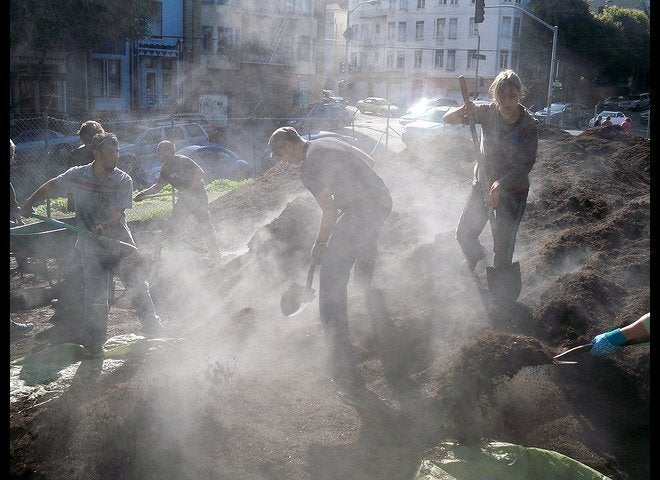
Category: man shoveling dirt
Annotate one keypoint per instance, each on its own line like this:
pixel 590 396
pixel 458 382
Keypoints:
pixel 355 203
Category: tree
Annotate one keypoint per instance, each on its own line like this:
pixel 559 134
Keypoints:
pixel 77 24
pixel 74 26
pixel 592 50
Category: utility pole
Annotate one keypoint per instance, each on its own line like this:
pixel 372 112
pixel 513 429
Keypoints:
pixel 348 35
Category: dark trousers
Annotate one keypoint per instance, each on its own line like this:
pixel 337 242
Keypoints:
pixel 354 242
pixel 504 225
pixel 196 203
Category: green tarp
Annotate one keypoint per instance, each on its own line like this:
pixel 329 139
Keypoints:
pixel 502 461
pixel 48 373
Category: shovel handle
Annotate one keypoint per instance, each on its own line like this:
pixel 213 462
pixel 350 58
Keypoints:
pixel 475 142
pixel 310 276
pixel 80 230
pixel 473 129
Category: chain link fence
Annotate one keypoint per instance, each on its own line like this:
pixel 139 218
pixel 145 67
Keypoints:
pixel 44 144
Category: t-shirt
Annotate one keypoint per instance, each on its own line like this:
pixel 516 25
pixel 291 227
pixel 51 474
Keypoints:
pixel 332 164
pixel 179 172
pixel 95 200
pixel 509 150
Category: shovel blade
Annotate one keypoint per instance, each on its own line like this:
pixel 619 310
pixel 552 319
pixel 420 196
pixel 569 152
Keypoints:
pixel 504 282
pixel 292 299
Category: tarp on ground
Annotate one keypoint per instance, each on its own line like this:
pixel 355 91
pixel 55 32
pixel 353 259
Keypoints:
pixel 501 461
pixel 46 374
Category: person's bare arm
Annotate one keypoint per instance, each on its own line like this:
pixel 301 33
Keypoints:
pixel 43 192
pixel 329 215
pixel 455 115
pixel 155 188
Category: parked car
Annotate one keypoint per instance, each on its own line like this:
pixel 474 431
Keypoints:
pixel 377 105
pixel 217 162
pixel 635 102
pixel 566 114
pixel 616 117
pixel 137 153
pixel 419 108
pixel 324 116
pixel 610 103
pixel 331 96
pixel 431 127
pixel 31 145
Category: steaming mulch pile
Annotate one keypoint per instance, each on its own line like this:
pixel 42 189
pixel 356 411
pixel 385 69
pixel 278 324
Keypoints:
pixel 246 392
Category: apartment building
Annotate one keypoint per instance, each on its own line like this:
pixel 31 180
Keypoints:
pixel 253 58
pixel 406 49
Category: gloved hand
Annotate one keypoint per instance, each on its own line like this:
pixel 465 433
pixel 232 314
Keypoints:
pixel 318 252
pixel 608 342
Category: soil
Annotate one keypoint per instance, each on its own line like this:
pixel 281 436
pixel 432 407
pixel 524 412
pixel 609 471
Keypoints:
pixel 246 392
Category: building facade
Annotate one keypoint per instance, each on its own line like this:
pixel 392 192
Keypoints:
pixel 407 49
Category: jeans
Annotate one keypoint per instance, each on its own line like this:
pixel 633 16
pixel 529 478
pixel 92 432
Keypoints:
pixel 354 242
pixel 504 225
pixel 97 274
pixel 193 202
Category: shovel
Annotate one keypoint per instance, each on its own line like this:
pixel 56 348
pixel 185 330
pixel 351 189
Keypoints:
pixel 569 353
pixel 297 297
pixel 81 230
pixel 503 282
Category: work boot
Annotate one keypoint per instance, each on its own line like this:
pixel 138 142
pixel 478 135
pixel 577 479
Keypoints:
pixel 20 328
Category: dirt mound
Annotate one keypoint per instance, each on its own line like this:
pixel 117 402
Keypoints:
pixel 247 393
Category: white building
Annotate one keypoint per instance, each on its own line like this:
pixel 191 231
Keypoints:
pixel 407 49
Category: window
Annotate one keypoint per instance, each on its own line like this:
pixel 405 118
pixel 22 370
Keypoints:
pixel 438 58
pixel 506 27
pixel 473 29
pixel 439 28
pixel 453 28
pixel 421 4
pixel 391 29
pixel 418 58
pixel 419 30
pixel 207 39
pixel 504 59
pixel 402 32
pixel 400 60
pixel 516 27
pixel 174 134
pixel 304 48
pixel 451 59
pixel 514 60
pixel 156 21
pixel 403 5
pixel 441 3
pixel 225 39
pixel 471 61
pixel 107 78
pixel 453 2
pixel 390 60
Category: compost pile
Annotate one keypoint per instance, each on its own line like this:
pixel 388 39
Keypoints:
pixel 245 392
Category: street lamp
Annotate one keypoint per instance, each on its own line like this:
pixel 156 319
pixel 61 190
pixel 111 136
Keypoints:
pixel 347 33
pixel 555 30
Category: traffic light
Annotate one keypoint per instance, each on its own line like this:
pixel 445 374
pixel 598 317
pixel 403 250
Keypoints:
pixel 479 11
pixel 342 67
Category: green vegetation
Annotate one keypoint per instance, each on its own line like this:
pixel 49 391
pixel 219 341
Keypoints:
pixel 156 207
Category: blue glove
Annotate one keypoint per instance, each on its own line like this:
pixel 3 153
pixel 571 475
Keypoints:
pixel 607 343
